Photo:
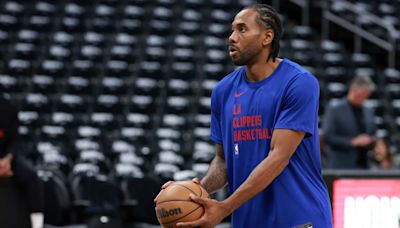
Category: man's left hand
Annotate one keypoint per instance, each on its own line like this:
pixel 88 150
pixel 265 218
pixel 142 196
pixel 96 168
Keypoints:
pixel 5 167
pixel 214 212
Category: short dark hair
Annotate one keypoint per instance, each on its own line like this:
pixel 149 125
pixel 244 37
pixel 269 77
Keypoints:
pixel 269 18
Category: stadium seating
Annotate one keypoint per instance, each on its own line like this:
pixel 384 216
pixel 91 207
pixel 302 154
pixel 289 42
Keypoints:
pixel 58 197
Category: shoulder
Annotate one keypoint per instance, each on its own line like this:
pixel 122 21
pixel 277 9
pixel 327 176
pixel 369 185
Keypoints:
pixel 368 107
pixel 299 76
pixel 337 103
pixel 294 67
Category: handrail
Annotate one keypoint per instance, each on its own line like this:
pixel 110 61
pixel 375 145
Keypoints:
pixel 375 19
pixel 389 45
pixel 359 31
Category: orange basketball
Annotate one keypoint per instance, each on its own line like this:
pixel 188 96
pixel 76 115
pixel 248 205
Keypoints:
pixel 174 204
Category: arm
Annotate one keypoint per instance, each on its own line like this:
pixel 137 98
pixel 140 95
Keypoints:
pixel 283 145
pixel 371 121
pixel 330 136
pixel 216 174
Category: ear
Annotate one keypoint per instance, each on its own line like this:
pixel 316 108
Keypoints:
pixel 268 37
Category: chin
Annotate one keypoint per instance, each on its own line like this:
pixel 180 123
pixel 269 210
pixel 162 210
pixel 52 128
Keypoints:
pixel 237 62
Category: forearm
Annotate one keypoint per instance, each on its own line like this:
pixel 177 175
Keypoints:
pixel 215 178
pixel 338 141
pixel 330 128
pixel 258 180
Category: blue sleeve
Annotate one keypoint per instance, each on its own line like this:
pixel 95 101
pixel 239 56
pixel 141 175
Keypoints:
pixel 299 110
pixel 216 134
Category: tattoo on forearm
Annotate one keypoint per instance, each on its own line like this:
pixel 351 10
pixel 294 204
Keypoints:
pixel 216 174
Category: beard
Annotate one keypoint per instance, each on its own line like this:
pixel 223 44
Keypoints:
pixel 242 59
pixel 246 56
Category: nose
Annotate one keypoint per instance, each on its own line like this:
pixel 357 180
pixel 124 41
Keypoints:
pixel 232 38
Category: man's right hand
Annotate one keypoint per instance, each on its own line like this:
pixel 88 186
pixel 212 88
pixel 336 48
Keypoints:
pixel 7 174
pixel 165 185
pixel 362 140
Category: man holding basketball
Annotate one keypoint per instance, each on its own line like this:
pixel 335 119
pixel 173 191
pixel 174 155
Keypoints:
pixel 264 123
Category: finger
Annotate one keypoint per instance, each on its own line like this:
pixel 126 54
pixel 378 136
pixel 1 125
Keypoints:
pixel 197 223
pixel 155 199
pixel 199 200
pixel 166 184
pixel 196 180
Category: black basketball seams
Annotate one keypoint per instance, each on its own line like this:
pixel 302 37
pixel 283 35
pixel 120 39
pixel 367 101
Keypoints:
pixel 185 187
pixel 176 201
pixel 180 186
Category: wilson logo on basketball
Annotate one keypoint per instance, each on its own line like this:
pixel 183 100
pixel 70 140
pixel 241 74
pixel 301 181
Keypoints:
pixel 162 213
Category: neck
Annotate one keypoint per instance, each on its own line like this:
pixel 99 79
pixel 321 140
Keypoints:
pixel 260 71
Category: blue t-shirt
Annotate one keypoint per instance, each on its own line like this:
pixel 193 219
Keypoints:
pixel 243 117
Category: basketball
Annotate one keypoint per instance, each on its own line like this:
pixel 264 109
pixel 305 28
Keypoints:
pixel 174 204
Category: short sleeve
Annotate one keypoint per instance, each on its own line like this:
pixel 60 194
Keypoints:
pixel 299 110
pixel 215 131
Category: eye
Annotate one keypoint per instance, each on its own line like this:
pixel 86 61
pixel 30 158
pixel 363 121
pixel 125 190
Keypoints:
pixel 242 29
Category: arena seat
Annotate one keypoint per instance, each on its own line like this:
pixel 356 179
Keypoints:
pixel 57 197
pixel 138 192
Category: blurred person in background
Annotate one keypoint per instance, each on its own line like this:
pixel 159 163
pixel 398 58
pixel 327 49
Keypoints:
pixel 382 157
pixel 349 127
pixel 13 165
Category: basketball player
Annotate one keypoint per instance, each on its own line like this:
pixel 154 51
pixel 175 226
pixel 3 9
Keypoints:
pixel 264 123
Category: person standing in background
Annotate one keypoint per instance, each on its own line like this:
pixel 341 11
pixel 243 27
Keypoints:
pixel 13 165
pixel 349 127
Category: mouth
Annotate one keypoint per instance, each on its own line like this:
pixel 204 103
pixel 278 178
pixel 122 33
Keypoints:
pixel 233 50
